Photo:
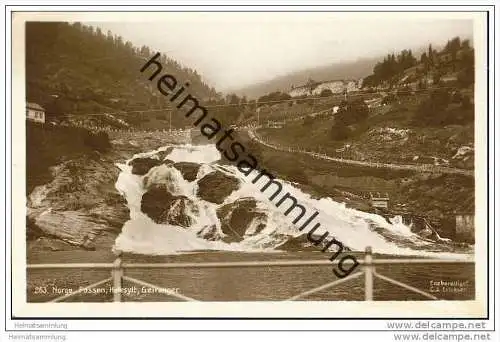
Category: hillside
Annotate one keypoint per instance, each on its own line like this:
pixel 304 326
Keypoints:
pixel 78 69
pixel 396 134
pixel 357 69
pixel 453 63
pixel 408 133
pixel 426 60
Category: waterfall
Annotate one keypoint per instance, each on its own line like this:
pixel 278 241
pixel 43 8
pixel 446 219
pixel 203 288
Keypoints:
pixel 244 220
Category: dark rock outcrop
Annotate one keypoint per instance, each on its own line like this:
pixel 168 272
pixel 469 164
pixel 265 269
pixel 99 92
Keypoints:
pixel 216 186
pixel 163 207
pixel 188 170
pixel 236 218
pixel 80 206
pixel 141 166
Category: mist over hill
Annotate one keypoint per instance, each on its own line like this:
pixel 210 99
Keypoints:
pixel 359 68
pixel 344 70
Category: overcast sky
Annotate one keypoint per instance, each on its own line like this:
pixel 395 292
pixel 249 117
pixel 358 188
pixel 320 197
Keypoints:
pixel 231 50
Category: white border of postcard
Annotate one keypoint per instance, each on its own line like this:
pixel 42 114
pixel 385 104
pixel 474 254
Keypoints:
pixel 380 309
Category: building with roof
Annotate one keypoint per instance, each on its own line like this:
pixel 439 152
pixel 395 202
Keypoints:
pixel 300 91
pixel 303 90
pixel 335 86
pixel 35 112
pixel 316 88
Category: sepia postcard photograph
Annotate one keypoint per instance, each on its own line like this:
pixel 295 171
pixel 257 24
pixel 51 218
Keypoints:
pixel 264 164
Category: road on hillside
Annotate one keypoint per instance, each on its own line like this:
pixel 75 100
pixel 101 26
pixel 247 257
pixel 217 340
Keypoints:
pixel 418 168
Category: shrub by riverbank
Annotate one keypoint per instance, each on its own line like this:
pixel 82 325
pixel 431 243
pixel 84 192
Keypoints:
pixel 48 145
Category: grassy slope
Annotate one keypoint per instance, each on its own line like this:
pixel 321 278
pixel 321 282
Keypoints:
pixel 432 195
pixel 425 142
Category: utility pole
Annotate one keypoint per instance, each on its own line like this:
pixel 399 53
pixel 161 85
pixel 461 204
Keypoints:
pixel 170 121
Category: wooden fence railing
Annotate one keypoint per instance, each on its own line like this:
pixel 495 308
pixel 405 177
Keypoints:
pixel 316 154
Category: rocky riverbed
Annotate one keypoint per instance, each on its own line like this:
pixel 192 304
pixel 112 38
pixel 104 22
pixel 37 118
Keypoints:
pixel 80 208
pixel 182 197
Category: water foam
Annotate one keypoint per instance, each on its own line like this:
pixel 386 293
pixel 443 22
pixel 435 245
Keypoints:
pixel 354 228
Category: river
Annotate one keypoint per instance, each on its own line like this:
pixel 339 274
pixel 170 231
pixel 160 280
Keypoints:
pixel 203 236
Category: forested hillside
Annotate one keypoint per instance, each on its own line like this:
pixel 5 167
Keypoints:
pixel 454 62
pixel 78 69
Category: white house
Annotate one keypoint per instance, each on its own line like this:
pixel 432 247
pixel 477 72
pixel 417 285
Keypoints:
pixel 35 112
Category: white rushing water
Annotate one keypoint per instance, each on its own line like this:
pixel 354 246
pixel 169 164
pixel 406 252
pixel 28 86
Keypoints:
pixel 354 228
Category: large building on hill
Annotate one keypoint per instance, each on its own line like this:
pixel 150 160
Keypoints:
pixel 303 90
pixel 300 91
pixel 335 86
pixel 316 88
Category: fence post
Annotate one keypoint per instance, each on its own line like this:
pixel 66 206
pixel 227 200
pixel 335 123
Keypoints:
pixel 116 274
pixel 368 274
